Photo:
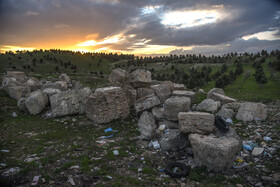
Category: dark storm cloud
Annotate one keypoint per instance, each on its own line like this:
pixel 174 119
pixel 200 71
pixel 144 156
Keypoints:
pixel 32 21
pixel 246 17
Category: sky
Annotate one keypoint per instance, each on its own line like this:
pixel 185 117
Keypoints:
pixel 141 27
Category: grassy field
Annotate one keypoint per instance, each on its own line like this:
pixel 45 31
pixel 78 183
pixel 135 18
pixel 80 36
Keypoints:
pixel 93 72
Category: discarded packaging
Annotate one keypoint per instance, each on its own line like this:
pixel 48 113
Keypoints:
pixel 156 145
pixel 71 181
pixel 5 150
pixel 161 127
pixel 35 180
pixel 109 177
pixel 14 115
pixel 11 171
pixel 229 120
pixel 116 152
pixel 110 130
pixel 2 164
pixel 266 138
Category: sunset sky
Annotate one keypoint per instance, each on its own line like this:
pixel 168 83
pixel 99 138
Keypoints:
pixel 142 27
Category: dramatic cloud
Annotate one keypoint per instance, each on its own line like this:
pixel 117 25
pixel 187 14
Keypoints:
pixel 143 27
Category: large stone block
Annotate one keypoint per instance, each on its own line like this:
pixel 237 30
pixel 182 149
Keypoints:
pixel 69 102
pixel 196 122
pixel 158 113
pixel 61 85
pixel 169 84
pixel 142 92
pixel 146 103
pixel 17 92
pixel 131 95
pixel 33 83
pixel 119 78
pixel 208 105
pixel 215 90
pixel 213 152
pixel 184 93
pixel 174 105
pixel 65 78
pixel 162 91
pixel 147 126
pixel 140 78
pixel 179 86
pixel 222 98
pixel 36 102
pixel 251 111
pixel 107 104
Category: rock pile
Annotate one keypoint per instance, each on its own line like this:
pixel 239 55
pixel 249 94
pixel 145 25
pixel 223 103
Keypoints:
pixel 167 113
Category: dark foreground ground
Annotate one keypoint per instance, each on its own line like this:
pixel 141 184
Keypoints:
pixel 68 150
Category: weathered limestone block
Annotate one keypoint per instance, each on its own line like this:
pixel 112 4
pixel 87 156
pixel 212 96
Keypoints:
pixel 173 140
pixel 107 104
pixel 222 98
pixel 142 92
pixel 119 78
pixel 196 122
pixel 147 126
pixel 158 113
pixel 169 84
pixel 51 91
pixel 179 87
pixel 131 95
pixel 183 93
pixel 146 103
pixel 36 102
pixel 33 83
pixel 21 104
pixel 61 85
pixel 65 78
pixel 162 91
pixel 215 153
pixel 226 113
pixel 208 105
pixel 17 92
pixel 69 102
pixel 251 111
pixel 215 90
pixel 140 78
pixel 174 105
